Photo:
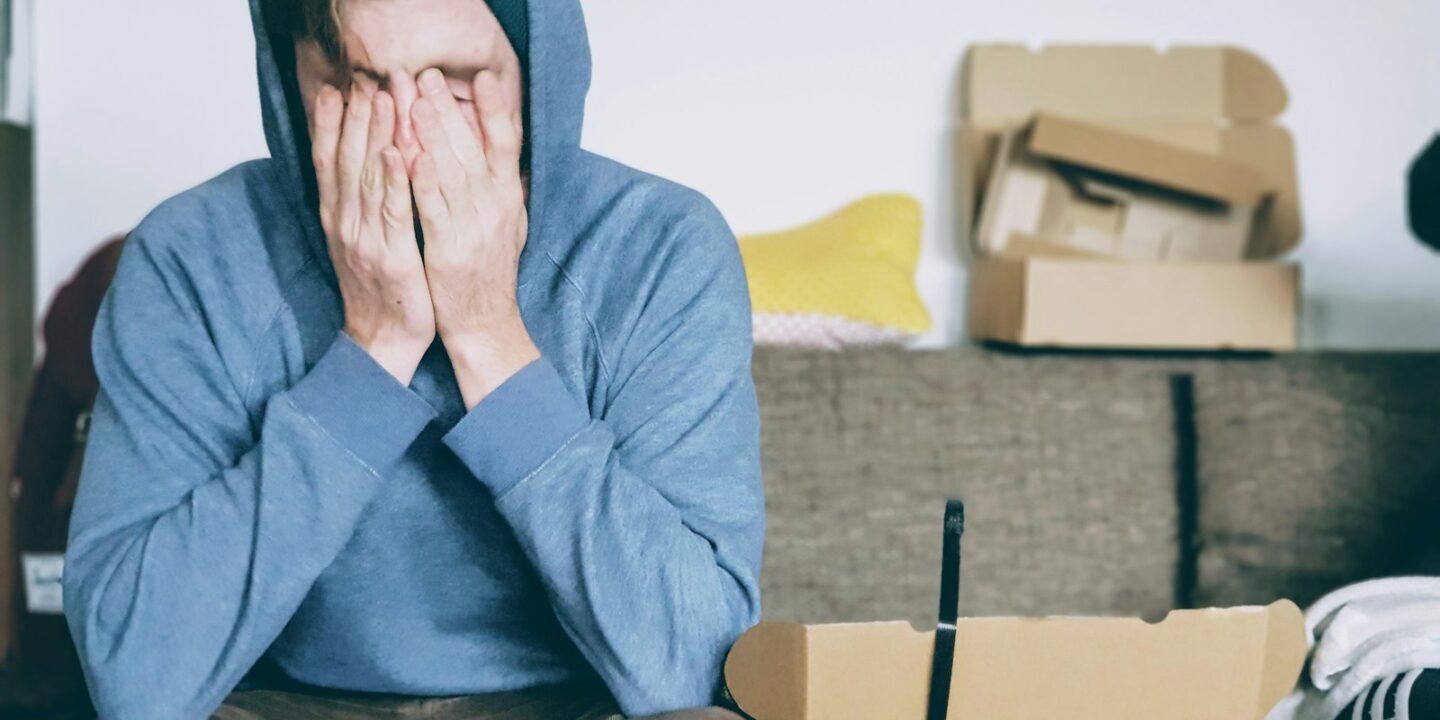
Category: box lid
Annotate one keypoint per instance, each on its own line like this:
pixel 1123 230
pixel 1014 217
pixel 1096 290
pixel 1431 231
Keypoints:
pixel 1236 663
pixel 1009 83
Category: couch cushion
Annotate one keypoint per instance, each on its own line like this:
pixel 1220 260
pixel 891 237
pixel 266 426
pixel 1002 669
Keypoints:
pixel 1315 471
pixel 1066 465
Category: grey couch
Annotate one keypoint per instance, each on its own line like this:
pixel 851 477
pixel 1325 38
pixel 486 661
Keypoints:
pixel 1094 483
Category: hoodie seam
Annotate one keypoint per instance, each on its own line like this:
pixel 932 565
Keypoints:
pixel 585 313
pixel 255 354
pixel 551 459
pixel 324 431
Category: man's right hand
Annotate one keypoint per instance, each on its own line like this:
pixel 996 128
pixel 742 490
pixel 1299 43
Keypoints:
pixel 366 212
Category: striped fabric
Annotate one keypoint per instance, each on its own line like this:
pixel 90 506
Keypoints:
pixel 1410 696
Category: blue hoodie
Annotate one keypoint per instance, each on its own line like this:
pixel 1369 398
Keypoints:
pixel 255 485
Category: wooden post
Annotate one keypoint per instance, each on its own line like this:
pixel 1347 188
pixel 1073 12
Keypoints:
pixel 17 340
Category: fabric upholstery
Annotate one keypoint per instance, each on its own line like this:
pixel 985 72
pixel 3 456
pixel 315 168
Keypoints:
pixel 1065 463
pixel 1316 471
pixel 1312 471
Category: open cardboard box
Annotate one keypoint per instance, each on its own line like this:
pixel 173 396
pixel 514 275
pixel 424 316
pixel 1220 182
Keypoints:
pixel 1186 178
pixel 1197 664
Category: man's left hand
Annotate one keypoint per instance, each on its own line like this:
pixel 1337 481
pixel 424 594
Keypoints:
pixel 471 202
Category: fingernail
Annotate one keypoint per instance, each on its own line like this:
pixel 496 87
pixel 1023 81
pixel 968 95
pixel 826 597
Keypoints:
pixel 432 80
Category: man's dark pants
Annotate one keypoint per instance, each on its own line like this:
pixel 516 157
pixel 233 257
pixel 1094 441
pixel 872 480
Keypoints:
pixel 565 702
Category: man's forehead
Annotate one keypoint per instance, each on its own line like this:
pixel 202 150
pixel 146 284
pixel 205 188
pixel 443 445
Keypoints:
pixel 458 37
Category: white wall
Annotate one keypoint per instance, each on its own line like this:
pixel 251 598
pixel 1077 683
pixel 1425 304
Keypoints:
pixel 135 100
pixel 782 111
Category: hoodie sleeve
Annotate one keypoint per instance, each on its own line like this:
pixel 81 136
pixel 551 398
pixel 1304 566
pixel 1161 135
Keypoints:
pixel 646 524
pixel 198 529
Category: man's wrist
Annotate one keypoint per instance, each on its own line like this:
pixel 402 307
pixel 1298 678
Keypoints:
pixel 484 362
pixel 398 358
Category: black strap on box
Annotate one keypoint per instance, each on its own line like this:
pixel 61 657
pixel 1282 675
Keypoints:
pixel 942 665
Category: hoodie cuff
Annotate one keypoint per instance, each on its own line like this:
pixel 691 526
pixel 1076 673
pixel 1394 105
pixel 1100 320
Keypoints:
pixel 517 427
pixel 361 405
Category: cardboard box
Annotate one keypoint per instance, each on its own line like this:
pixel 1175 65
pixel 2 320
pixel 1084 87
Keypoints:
pixel 1070 302
pixel 1200 664
pixel 1170 161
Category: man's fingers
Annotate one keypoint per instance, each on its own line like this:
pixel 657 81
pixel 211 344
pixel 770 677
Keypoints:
pixel 450 175
pixel 382 124
pixel 354 141
pixel 429 200
pixel 324 141
pixel 463 140
pixel 498 122
pixel 373 177
pixel 396 216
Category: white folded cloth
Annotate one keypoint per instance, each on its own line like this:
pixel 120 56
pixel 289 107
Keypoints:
pixel 1360 635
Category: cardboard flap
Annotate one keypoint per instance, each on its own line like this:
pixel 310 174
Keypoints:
pixel 1095 146
pixel 1235 664
pixel 1270 148
pixel 1253 90
pixel 1008 83
pixel 765 670
pixel 1284 656
pixel 872 670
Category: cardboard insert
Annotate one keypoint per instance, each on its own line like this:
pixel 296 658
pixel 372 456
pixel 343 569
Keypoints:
pixel 1231 664
pixel 1107 193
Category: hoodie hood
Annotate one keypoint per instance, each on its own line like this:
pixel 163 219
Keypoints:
pixel 549 37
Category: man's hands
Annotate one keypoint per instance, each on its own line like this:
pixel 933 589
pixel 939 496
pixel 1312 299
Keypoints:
pixel 365 210
pixel 471 201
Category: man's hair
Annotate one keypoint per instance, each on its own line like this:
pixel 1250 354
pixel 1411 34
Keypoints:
pixel 317 20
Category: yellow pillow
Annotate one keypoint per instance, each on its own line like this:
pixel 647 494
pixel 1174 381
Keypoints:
pixel 843 280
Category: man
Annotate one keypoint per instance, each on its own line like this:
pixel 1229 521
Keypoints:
pixel 430 403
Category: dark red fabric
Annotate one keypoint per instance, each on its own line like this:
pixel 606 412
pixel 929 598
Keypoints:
pixel 64 387
pixel 46 456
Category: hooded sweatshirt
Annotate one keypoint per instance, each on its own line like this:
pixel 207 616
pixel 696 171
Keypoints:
pixel 256 485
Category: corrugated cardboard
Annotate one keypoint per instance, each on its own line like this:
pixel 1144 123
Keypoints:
pixel 1203 664
pixel 1130 155
pixel 1076 302
pixel 1109 193
pixel 1210 109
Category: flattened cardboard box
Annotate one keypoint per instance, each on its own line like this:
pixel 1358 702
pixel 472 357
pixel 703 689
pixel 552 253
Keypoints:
pixel 1218 102
pixel 1197 664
